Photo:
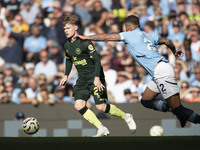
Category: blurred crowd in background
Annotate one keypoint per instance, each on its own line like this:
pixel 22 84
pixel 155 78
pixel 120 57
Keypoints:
pixel 32 59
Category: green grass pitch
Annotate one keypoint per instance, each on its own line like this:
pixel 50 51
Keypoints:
pixel 102 143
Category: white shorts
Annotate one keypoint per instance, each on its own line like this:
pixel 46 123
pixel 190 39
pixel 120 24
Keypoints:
pixel 164 81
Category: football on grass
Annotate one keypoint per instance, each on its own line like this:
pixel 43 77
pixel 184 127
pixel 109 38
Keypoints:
pixel 30 125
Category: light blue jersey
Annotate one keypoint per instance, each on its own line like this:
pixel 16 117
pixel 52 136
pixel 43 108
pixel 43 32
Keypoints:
pixel 142 47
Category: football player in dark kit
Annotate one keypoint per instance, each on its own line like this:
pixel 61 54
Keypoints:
pixel 90 80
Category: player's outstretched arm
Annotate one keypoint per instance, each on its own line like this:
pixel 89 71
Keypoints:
pixel 169 44
pixel 101 37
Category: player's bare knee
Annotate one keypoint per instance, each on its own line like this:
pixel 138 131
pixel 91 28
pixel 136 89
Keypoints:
pixel 79 104
pixel 101 107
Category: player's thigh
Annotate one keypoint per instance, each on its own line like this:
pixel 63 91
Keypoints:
pixel 151 91
pixel 99 97
pixel 81 95
pixel 101 107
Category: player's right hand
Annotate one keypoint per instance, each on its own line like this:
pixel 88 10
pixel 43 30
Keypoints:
pixel 63 82
pixel 98 84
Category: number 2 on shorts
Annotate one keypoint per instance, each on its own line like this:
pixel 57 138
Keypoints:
pixel 162 88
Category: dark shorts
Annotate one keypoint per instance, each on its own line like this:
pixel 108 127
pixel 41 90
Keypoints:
pixel 84 91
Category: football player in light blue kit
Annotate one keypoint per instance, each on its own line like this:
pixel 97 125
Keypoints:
pixel 142 47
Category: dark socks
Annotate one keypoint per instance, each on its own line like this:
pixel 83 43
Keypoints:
pixel 186 114
pixel 156 105
pixel 83 110
pixel 107 108
pixel 181 112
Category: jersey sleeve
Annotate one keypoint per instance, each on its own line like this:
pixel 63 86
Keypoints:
pixel 121 34
pixel 68 64
pixel 90 49
pixel 124 36
pixel 67 56
pixel 156 39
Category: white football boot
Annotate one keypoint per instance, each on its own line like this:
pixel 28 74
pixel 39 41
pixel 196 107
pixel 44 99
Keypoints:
pixel 102 131
pixel 130 122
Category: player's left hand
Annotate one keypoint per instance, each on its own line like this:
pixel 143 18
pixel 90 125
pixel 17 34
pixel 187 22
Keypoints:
pixel 98 84
pixel 179 53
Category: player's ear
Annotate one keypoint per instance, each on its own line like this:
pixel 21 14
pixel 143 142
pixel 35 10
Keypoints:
pixel 124 27
pixel 76 27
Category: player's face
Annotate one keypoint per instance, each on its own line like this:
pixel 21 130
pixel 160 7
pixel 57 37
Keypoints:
pixel 70 30
pixel 126 27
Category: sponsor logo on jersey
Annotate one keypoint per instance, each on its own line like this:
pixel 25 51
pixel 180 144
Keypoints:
pixel 80 62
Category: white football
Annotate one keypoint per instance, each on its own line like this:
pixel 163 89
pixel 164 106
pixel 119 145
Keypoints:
pixel 30 125
pixel 156 131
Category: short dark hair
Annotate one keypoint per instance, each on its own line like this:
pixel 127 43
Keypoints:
pixel 133 20
pixel 70 19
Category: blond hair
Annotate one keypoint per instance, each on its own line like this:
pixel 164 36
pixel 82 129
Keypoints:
pixel 70 19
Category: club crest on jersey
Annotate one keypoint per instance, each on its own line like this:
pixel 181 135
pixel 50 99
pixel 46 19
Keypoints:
pixel 91 48
pixel 78 51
